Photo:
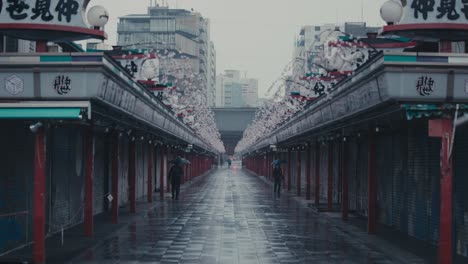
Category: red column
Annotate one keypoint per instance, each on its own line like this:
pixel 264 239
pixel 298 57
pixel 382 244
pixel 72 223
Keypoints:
pixel 372 198
pixel 89 179
pixel 289 169
pixel 161 171
pixel 445 46
pixel 298 176
pixel 344 176
pixel 317 174
pixel 39 196
pixel 330 176
pixel 443 128
pixel 41 46
pixel 308 172
pixel 150 173
pixel 132 176
pixel 115 179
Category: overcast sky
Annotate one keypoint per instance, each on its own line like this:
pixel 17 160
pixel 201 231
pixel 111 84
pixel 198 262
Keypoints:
pixel 256 36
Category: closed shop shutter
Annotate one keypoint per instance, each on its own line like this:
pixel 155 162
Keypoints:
pixel 16 188
pixel 384 159
pixel 362 177
pixel 312 170
pixel 351 170
pixel 303 172
pixel 123 171
pixel 67 178
pixel 101 173
pixel 461 191
pixel 336 173
pixel 400 186
pixel 323 173
pixel 293 171
pixel 422 154
pixel 140 171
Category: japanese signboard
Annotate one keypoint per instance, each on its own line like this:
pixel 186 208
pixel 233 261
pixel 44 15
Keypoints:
pixel 46 19
pixel 435 11
pixel 52 12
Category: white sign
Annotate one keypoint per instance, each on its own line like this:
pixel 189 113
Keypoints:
pixel 50 12
pixel 435 11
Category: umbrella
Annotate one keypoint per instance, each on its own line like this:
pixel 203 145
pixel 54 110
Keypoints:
pixel 180 161
pixel 278 162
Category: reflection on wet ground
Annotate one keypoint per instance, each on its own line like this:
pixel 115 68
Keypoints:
pixel 231 217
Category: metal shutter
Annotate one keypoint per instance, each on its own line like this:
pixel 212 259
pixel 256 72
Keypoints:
pixel 101 173
pixel 67 178
pixel 422 152
pixel 362 177
pixel 336 173
pixel 123 171
pixel 323 173
pixel 460 185
pixel 351 169
pixel 384 159
pixel 16 188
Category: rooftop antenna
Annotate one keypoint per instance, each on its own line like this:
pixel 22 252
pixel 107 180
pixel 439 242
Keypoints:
pixel 362 10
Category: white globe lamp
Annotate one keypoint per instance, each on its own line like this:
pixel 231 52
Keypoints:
pixel 98 17
pixel 150 69
pixel 391 11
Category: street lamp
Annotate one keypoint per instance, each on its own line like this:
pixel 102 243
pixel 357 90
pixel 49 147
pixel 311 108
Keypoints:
pixel 98 17
pixel 392 11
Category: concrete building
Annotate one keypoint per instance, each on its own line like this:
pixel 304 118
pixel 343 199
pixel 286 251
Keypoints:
pixel 212 76
pixel 183 31
pixel 234 91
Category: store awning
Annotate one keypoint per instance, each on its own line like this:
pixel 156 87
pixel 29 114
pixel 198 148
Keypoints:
pixel 42 113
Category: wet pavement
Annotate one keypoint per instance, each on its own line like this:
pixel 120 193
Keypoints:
pixel 228 217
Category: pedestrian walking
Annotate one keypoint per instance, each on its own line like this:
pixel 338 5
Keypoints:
pixel 229 161
pixel 175 176
pixel 278 177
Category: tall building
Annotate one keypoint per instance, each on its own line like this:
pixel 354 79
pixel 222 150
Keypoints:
pixel 183 31
pixel 212 76
pixel 234 91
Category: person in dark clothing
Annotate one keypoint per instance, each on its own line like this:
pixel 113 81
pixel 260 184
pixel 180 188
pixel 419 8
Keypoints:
pixel 278 177
pixel 229 161
pixel 175 176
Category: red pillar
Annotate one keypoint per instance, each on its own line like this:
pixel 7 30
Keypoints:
pixel 344 176
pixel 39 196
pixel 308 172
pixel 89 179
pixel 372 192
pixel 330 176
pixel 445 46
pixel 443 128
pixel 150 173
pixel 41 46
pixel 161 171
pixel 298 176
pixel 317 174
pixel 289 169
pixel 115 179
pixel 132 176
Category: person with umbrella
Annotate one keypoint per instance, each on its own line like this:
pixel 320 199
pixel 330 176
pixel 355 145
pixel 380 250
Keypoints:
pixel 175 175
pixel 278 176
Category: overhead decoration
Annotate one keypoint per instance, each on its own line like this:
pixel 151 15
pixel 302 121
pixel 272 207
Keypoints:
pixel 341 55
pixel 172 79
